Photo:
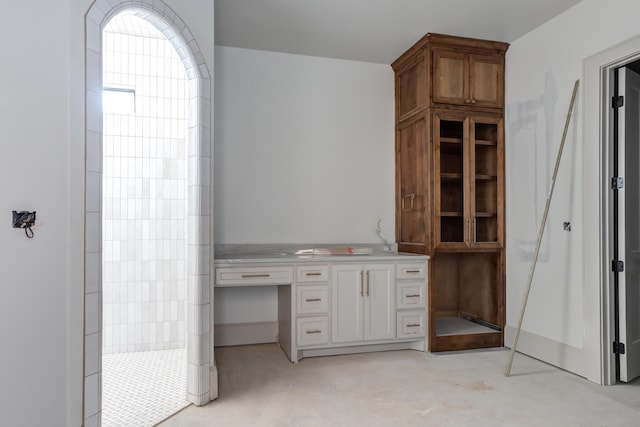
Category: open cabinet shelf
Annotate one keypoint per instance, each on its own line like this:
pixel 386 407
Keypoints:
pixel 467 294
pixel 448 326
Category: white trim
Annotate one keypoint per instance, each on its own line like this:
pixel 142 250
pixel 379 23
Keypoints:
pixel 420 345
pixel 553 352
pixel 598 89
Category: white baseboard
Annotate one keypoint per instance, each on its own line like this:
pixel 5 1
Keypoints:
pixel 245 333
pixel 564 356
pixel 333 351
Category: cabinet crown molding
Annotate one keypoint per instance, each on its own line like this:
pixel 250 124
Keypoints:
pixel 452 42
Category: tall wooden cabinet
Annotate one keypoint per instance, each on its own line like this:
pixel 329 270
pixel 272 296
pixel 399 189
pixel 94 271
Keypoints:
pixel 450 182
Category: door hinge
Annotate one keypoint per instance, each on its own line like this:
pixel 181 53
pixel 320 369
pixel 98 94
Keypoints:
pixel 617 266
pixel 617 183
pixel 618 348
pixel 617 101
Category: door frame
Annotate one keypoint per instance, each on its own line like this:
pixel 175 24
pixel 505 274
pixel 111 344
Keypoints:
pixel 201 370
pixel 599 88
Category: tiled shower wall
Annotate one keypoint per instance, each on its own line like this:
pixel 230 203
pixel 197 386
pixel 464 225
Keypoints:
pixel 144 191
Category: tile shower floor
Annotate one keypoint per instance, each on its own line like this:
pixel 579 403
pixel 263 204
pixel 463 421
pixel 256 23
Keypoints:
pixel 143 388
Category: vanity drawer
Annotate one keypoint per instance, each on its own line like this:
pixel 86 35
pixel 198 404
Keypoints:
pixel 312 330
pixel 411 324
pixel 410 295
pixel 411 271
pixel 312 299
pixel 252 276
pixel 312 273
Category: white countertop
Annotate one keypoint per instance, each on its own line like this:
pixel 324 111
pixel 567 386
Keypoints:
pixel 281 254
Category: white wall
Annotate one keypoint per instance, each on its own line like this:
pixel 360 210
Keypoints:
pixel 34 173
pixel 304 153
pixel 541 69
pixel 42 169
pixel 303 148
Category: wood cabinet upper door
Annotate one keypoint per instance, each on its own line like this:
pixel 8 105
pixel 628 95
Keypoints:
pixel 486 81
pixel 450 71
pixel 411 87
pixel 411 183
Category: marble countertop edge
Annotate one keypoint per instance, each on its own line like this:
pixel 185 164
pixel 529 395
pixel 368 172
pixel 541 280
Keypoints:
pixel 283 253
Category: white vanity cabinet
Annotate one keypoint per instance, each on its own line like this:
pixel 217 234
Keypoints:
pixel 333 305
pixel 363 302
pixel 345 307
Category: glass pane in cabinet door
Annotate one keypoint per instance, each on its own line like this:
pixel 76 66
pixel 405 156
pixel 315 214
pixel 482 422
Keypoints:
pixel 486 182
pixel 451 181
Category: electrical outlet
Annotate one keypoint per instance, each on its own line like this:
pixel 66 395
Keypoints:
pixel 24 219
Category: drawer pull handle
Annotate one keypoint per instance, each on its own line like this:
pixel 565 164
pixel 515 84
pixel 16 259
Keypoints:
pixel 255 276
pixel 413 325
pixel 413 296
pixel 313 274
pixel 314 331
pixel 413 271
pixel 313 299
pixel 367 282
pixel 411 197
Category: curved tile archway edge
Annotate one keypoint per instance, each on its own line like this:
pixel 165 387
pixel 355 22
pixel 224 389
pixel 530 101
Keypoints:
pixel 201 371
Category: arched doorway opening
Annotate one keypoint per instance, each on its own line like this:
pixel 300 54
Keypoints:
pixel 201 373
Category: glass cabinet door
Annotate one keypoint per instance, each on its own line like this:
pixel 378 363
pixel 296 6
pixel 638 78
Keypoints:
pixel 469 180
pixel 451 149
pixel 486 186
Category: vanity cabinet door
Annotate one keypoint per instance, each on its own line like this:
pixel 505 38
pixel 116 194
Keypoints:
pixel 363 302
pixel 379 302
pixel 347 292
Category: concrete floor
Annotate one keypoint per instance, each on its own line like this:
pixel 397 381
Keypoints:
pixel 260 387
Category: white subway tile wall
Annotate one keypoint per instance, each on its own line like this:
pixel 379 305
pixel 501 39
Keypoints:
pixel 144 190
